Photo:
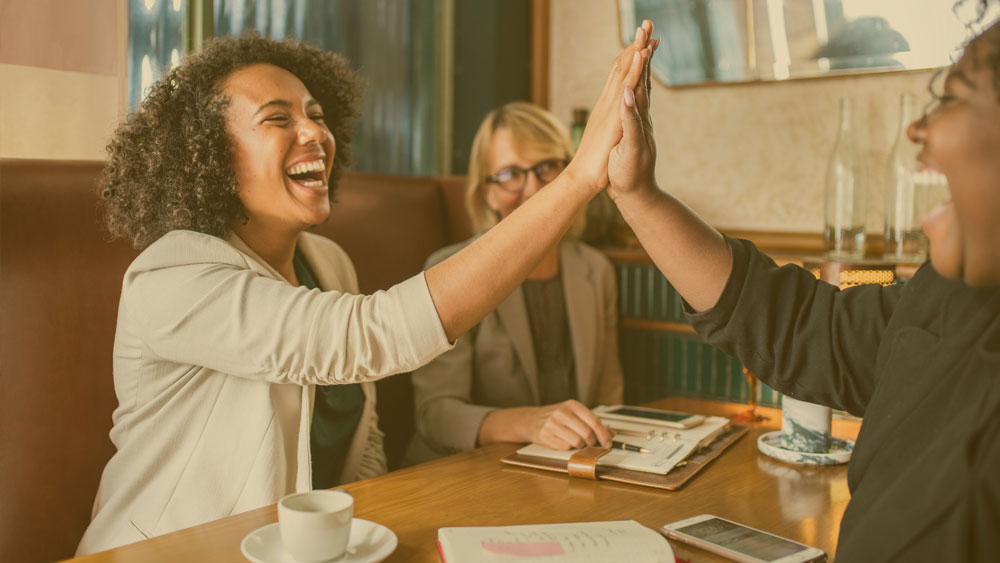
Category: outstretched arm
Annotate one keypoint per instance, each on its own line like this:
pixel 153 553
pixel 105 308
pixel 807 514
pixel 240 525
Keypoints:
pixel 474 281
pixel 691 254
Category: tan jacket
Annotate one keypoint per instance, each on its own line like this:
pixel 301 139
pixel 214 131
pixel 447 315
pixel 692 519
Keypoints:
pixel 493 365
pixel 215 358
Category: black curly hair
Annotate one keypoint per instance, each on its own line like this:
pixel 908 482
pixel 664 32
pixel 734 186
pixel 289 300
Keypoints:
pixel 991 58
pixel 991 37
pixel 170 163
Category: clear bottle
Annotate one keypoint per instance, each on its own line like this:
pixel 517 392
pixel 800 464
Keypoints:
pixel 846 197
pixel 904 206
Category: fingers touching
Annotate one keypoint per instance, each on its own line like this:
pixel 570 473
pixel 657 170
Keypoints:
pixel 636 124
pixel 631 163
pixel 604 128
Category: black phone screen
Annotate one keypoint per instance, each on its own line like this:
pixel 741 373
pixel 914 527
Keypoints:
pixel 655 415
pixel 741 539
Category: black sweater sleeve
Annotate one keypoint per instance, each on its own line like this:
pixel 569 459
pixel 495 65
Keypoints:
pixel 802 336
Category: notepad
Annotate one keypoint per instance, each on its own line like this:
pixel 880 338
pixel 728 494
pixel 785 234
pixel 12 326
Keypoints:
pixel 579 542
pixel 668 446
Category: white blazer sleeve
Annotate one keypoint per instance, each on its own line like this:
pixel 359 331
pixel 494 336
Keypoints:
pixel 200 303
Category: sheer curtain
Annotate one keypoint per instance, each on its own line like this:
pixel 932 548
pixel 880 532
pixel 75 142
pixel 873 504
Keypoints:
pixel 156 43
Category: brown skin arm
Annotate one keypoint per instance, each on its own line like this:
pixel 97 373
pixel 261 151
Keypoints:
pixel 690 253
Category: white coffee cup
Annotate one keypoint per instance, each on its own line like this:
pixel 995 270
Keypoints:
pixel 805 427
pixel 316 525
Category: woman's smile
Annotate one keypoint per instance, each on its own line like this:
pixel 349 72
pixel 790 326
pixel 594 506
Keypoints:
pixel 311 174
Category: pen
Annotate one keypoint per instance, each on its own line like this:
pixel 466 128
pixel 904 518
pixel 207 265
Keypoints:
pixel 629 447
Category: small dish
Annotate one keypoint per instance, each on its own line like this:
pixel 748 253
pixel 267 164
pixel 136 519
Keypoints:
pixel 370 542
pixel 772 444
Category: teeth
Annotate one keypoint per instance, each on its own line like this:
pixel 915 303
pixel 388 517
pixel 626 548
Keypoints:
pixel 303 167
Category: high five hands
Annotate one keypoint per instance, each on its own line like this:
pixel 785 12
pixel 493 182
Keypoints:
pixel 589 166
pixel 631 163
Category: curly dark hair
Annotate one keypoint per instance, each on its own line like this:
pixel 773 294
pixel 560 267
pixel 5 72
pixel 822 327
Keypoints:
pixel 170 162
pixel 991 37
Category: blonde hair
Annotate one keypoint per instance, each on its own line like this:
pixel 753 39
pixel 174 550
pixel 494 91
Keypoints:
pixel 529 124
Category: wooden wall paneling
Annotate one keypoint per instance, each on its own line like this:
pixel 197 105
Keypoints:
pixel 540 23
pixel 60 35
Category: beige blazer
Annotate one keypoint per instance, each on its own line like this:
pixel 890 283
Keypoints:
pixel 215 358
pixel 493 366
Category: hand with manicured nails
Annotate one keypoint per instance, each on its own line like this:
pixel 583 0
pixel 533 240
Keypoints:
pixel 589 167
pixel 632 163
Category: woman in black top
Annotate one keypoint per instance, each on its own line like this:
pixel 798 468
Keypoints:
pixel 920 362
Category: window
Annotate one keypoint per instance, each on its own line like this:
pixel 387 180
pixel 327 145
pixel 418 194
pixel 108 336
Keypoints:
pixel 393 43
pixel 156 43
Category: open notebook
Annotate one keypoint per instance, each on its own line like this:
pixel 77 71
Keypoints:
pixel 668 446
pixel 579 542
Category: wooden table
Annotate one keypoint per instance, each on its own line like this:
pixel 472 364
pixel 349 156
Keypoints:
pixel 476 489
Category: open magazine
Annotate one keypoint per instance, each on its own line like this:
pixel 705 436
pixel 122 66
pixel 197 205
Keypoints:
pixel 667 447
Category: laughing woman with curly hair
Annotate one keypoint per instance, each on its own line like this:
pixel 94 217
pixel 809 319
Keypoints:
pixel 244 356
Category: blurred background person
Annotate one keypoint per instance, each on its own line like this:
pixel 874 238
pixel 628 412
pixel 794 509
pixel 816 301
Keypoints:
pixel 531 369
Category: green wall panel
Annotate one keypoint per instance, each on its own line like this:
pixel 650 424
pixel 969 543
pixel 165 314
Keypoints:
pixel 659 363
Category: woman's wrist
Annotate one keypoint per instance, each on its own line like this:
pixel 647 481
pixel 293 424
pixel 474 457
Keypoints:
pixel 499 425
pixel 642 193
pixel 579 179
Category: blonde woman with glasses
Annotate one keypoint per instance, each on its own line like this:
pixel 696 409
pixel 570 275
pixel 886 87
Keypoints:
pixel 531 369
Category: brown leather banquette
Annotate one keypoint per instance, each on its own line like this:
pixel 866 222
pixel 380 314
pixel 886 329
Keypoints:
pixel 60 280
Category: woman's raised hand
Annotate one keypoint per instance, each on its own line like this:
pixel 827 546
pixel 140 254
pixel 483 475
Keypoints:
pixel 498 261
pixel 631 164
pixel 589 167
pixel 690 253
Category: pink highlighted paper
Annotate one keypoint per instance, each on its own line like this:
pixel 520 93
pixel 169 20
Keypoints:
pixel 524 549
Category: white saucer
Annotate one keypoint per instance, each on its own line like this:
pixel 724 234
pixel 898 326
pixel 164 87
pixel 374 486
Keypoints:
pixel 772 445
pixel 370 542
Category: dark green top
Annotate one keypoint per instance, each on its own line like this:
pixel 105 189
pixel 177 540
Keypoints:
pixel 546 304
pixel 920 362
pixel 336 412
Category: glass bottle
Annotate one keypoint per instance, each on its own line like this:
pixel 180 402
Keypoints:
pixel 844 228
pixel 903 239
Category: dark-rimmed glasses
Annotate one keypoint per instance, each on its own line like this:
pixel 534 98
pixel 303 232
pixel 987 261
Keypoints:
pixel 514 178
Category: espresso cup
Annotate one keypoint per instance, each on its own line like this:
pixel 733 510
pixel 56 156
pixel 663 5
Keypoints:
pixel 316 525
pixel 805 427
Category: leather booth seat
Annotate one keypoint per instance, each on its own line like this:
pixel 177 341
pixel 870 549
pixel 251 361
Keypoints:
pixel 60 280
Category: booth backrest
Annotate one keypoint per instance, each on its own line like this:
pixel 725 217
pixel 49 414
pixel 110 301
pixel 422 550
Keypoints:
pixel 60 280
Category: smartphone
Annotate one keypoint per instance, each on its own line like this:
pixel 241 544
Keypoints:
pixel 738 542
pixel 644 415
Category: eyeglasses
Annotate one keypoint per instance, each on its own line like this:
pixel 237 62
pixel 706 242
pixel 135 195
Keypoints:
pixel 514 178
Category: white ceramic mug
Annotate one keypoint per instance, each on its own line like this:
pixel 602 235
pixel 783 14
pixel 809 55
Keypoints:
pixel 316 525
pixel 805 427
